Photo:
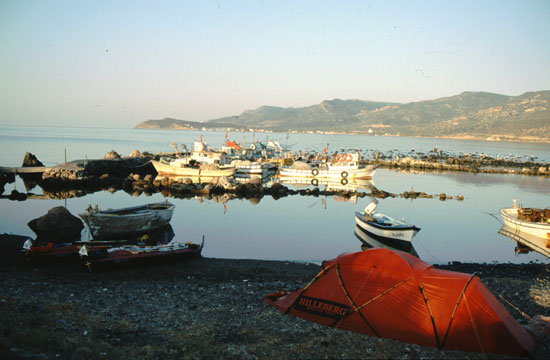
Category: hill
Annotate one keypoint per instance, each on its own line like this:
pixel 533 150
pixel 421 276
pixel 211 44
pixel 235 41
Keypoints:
pixel 470 114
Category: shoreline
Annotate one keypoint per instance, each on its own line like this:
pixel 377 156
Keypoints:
pixel 488 138
pixel 208 308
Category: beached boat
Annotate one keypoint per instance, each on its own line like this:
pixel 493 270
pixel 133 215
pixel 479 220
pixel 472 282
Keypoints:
pixel 526 242
pixel 527 220
pixel 380 226
pixel 130 221
pixel 179 167
pixel 344 167
pixel 99 259
pixel 40 253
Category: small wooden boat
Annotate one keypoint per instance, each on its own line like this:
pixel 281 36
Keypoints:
pixel 99 259
pixel 69 252
pixel 126 222
pixel 527 220
pixel 182 168
pixel 347 167
pixel 380 226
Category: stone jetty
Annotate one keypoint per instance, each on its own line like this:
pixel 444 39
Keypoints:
pixel 136 175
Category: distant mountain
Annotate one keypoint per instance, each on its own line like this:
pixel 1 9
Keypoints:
pixel 470 114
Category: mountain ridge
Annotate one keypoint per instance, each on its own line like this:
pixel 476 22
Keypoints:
pixel 468 114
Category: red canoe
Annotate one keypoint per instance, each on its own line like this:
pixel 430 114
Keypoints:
pixel 391 294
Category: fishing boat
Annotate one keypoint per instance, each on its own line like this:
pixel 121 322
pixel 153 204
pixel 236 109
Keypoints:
pixel 527 220
pixel 48 253
pixel 381 226
pixel 181 167
pixel 345 167
pixel 126 222
pixel 526 242
pixel 247 168
pixel 100 259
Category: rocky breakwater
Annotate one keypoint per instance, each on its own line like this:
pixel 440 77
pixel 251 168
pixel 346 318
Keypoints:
pixel 94 175
pixel 436 160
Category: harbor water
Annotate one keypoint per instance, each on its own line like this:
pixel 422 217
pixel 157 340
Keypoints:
pixel 300 228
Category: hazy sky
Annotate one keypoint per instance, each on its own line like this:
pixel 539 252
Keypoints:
pixel 117 63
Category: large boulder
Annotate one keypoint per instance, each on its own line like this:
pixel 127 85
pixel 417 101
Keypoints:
pixel 31 160
pixel 57 226
pixel 112 155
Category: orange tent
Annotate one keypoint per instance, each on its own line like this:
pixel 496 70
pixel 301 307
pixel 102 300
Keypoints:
pixel 391 294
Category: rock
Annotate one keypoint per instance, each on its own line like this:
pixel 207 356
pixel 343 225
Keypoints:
pixel 57 226
pixel 5 178
pixel 112 155
pixel 148 178
pixel 223 182
pixel 255 180
pixel 31 160
pixel 81 353
pixel 16 195
pixel 136 177
pixel 135 153
pixel 540 326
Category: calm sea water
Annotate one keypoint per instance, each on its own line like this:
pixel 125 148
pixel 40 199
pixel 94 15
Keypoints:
pixel 300 228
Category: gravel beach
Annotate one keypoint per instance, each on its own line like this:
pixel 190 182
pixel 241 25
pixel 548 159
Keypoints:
pixel 206 308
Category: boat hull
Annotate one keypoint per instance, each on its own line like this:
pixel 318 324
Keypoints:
pixel 365 173
pixel 127 222
pixel 247 171
pixel 510 219
pixel 107 259
pixel 402 232
pixel 171 170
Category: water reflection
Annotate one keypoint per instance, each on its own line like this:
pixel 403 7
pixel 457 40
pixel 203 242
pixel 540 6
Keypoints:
pixel 526 243
pixel 328 184
pixel 368 242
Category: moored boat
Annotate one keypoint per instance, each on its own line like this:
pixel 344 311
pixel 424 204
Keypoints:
pixel 130 221
pixel 345 167
pixel 527 220
pixel 381 226
pixel 179 168
pixel 247 168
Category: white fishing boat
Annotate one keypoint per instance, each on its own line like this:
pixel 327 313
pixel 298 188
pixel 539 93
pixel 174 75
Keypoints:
pixel 380 226
pixel 181 167
pixel 527 220
pixel 247 168
pixel 343 167
pixel 130 221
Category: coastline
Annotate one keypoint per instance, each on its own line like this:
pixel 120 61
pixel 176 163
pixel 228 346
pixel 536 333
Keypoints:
pixel 207 308
pixel 489 138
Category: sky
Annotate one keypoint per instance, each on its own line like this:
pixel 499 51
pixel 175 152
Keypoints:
pixel 117 63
